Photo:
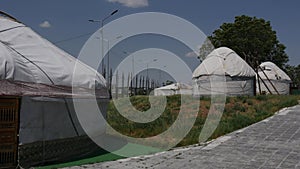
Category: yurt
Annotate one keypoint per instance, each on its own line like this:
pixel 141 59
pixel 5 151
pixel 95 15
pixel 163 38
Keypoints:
pixel 173 89
pixel 272 80
pixel 239 76
pixel 38 123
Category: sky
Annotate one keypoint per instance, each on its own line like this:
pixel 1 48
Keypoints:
pixel 65 23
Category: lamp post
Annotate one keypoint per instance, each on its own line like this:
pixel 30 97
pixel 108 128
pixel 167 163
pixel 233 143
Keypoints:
pixel 109 75
pixel 132 60
pixel 160 71
pixel 154 60
pixel 102 23
pixel 132 76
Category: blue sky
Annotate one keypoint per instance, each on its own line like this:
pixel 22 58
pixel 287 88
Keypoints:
pixel 60 19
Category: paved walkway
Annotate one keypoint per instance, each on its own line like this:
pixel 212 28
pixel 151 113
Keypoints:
pixel 272 143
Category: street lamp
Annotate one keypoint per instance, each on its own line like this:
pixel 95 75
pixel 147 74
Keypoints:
pixel 132 60
pixel 109 76
pixel 102 22
pixel 154 60
pixel 160 71
pixel 132 76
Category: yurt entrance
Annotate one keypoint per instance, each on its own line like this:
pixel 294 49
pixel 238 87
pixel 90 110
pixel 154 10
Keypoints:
pixel 9 119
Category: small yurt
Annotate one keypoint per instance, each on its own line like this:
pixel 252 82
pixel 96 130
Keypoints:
pixel 173 89
pixel 239 76
pixel 272 80
pixel 38 123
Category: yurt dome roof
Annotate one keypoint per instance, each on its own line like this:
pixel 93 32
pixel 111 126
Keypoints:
pixel 273 72
pixel 27 57
pixel 224 60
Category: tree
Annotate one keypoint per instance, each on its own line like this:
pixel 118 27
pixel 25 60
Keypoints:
pixel 251 38
pixel 206 48
pixel 294 74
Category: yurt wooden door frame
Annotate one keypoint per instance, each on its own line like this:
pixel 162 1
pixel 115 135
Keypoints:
pixel 268 81
pixel 9 128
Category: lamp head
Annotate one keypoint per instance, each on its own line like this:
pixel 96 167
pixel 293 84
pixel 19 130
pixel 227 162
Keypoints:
pixel 114 12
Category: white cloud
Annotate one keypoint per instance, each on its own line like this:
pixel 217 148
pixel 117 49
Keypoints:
pixel 191 54
pixel 132 3
pixel 45 24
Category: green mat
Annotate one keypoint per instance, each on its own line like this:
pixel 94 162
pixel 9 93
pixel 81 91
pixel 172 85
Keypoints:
pixel 130 149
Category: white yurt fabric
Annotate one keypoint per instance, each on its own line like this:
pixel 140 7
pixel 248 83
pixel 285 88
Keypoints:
pixel 31 65
pixel 173 89
pixel 233 64
pixel 239 75
pixel 27 57
pixel 280 80
pixel 40 74
pixel 273 71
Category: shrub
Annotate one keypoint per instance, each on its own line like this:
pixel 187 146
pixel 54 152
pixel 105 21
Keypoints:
pixel 239 112
pixel 261 97
pixel 249 102
pixel 238 107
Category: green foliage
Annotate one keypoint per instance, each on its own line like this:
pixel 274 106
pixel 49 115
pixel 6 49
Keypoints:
pixel 205 98
pixel 206 48
pixel 239 112
pixel 140 103
pixel 228 100
pixel 141 130
pixel 294 74
pixel 261 97
pixel 252 38
pixel 238 107
pixel 287 101
pixel 249 102
pixel 243 99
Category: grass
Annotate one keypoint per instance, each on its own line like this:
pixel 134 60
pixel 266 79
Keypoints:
pixel 239 112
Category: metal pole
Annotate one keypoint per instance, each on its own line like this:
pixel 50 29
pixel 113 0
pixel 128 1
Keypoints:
pixel 147 82
pixel 108 61
pixel 102 48
pixel 154 60
pixel 132 76
pixel 133 64
pixel 147 69
pixel 102 37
